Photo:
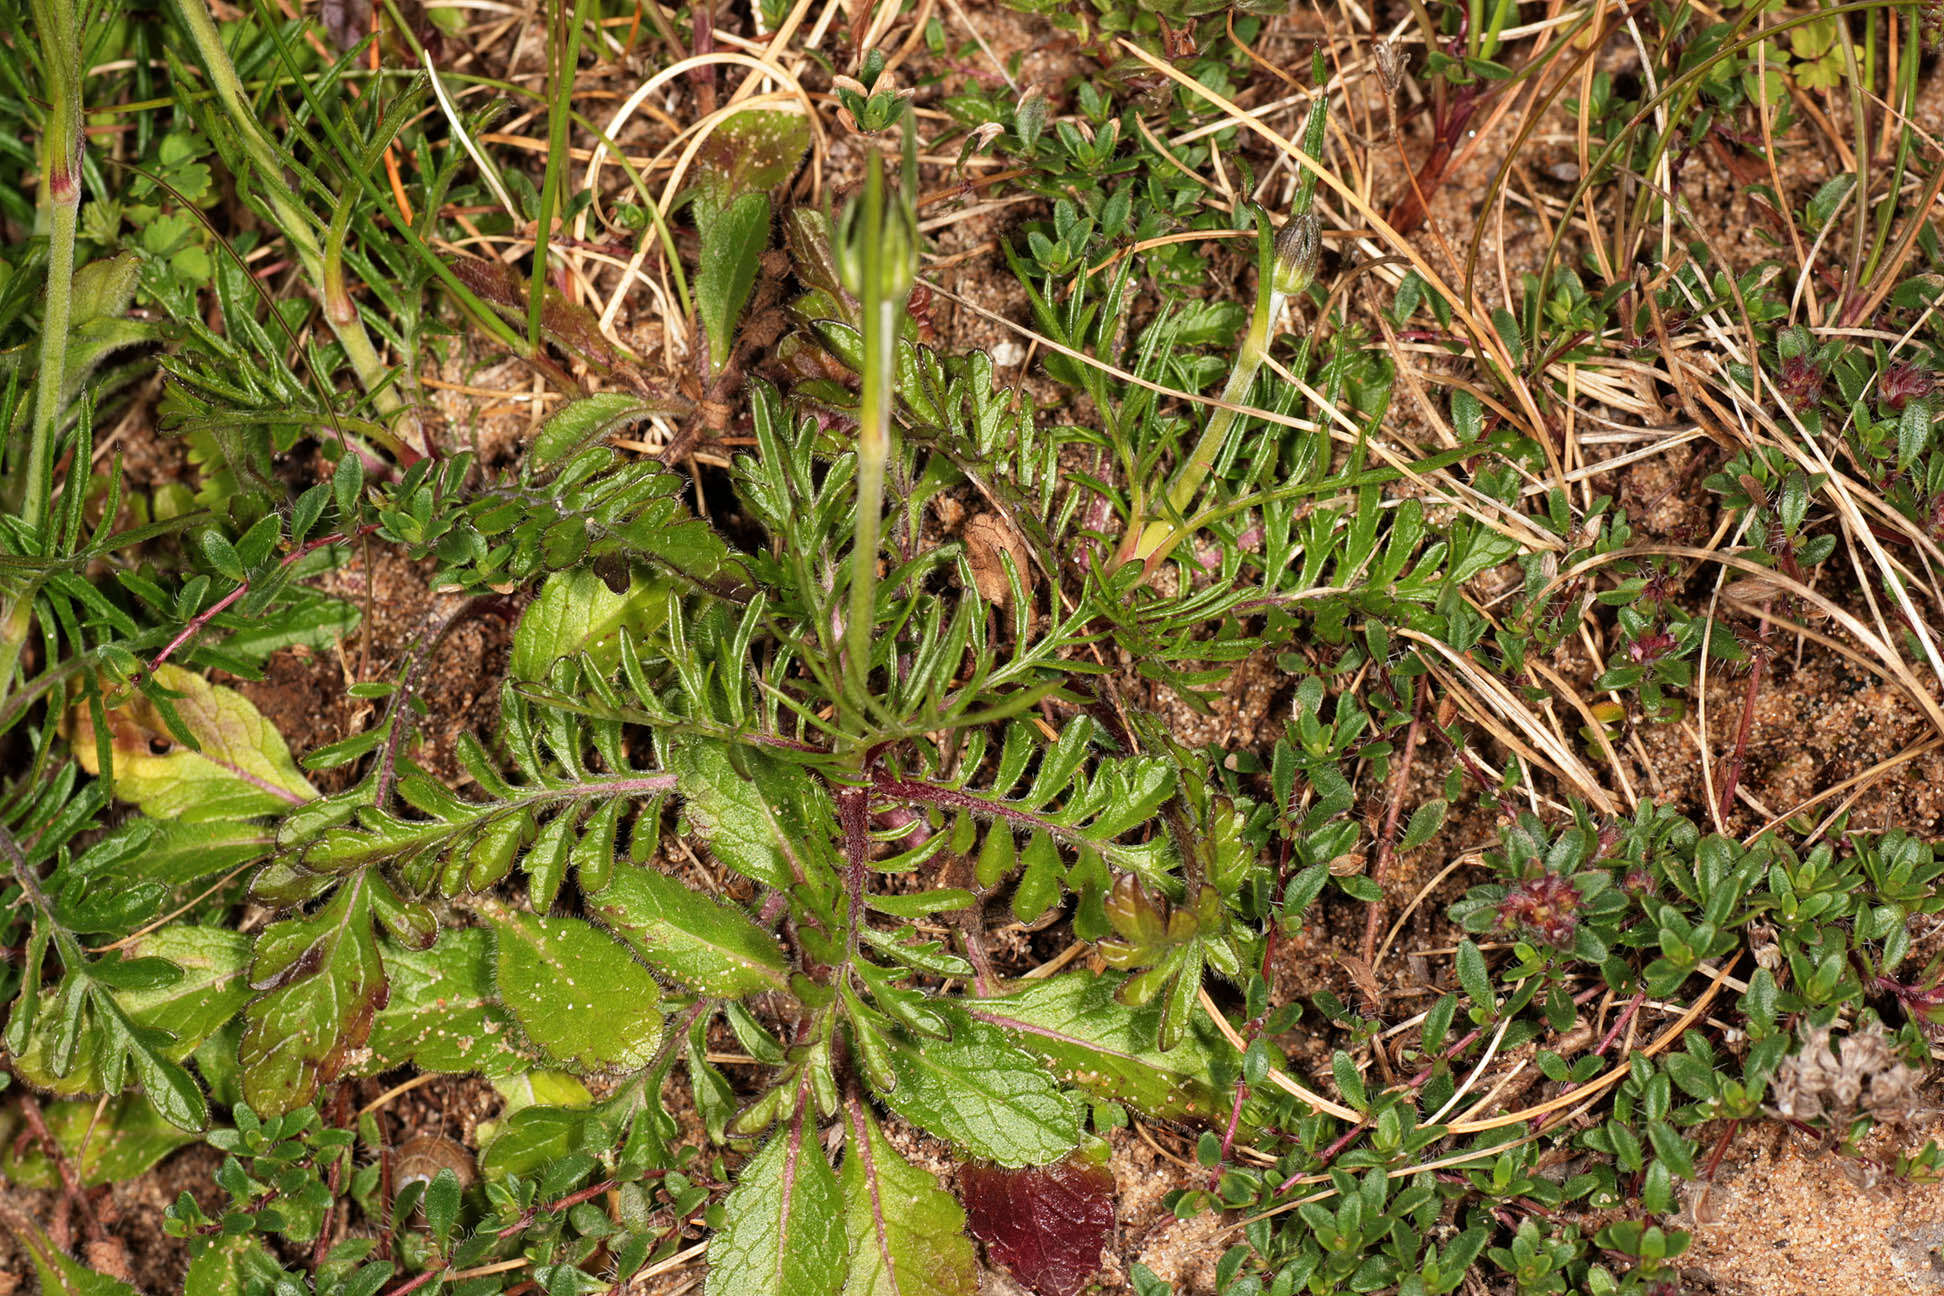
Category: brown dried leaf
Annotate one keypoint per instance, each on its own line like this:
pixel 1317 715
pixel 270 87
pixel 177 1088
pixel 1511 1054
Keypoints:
pixel 1045 1224
pixel 567 324
pixel 987 536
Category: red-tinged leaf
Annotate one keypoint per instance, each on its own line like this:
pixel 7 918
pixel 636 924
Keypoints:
pixel 1045 1224
pixel 321 983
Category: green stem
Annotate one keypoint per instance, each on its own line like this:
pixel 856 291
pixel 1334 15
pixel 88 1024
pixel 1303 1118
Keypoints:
pixel 1285 266
pixel 60 201
pixel 567 17
pixel 873 434
pixel 295 222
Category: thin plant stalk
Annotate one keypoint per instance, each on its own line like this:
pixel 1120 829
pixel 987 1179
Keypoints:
pixel 567 17
pixel 1287 265
pixel 880 319
pixel 296 223
pixel 60 202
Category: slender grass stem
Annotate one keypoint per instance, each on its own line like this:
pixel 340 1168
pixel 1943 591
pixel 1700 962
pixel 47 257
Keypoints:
pixel 567 18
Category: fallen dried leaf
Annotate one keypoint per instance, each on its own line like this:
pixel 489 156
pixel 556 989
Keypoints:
pixel 1045 1224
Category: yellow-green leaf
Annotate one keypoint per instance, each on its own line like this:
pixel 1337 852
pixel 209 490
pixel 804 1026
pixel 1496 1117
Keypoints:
pixel 239 767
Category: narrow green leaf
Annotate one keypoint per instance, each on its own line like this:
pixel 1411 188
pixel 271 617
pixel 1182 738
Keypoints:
pixel 59 1275
pixel 1477 982
pixel 733 241
pixel 580 424
pixel 1425 821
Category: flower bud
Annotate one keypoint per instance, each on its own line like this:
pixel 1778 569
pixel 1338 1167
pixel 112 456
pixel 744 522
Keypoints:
pixel 894 253
pixel 1297 245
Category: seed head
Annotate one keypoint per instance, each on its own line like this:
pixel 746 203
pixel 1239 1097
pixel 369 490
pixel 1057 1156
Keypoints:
pixel 1390 65
pixel 1862 1075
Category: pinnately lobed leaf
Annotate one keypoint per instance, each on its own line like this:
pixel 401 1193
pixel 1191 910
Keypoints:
pixel 906 1233
pixel 1045 1224
pixel 576 993
pixel 781 1234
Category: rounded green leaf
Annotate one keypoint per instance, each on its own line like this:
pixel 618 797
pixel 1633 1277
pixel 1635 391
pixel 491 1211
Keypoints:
pixel 578 995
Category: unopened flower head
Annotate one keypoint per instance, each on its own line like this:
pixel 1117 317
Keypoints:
pixel 895 254
pixel 1297 245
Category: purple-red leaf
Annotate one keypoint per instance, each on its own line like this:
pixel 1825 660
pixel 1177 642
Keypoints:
pixel 1045 1224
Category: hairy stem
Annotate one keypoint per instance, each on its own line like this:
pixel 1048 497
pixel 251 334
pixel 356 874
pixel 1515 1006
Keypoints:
pixel 873 434
pixel 60 208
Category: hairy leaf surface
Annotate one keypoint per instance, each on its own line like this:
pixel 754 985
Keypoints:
pixel 711 947
pixel 578 995
pixel 755 825
pixel 907 1235
pixel 980 1092
pixel 443 1013
pixel 1074 1022
pixel 782 1234
pixel 322 984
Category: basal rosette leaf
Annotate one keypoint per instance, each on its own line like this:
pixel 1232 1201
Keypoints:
pixel 1076 1025
pixel 713 948
pixel 756 823
pixel 782 1233
pixel 576 993
pixel 906 1234
pixel 976 1090
pixel 321 983
pixel 443 1013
